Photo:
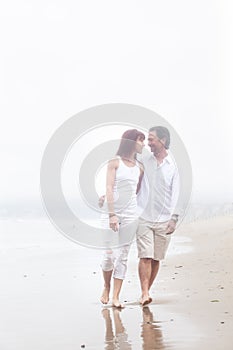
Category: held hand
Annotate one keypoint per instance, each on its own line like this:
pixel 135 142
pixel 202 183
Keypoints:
pixel 171 227
pixel 114 223
pixel 101 201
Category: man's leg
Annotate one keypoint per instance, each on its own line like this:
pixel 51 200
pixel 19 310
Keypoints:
pixel 145 245
pixel 154 271
pixel 145 270
pixel 161 242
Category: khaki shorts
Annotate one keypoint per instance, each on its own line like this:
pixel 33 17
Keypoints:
pixel 152 240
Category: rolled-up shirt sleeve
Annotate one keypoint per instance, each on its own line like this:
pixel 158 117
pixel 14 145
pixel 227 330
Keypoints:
pixel 176 208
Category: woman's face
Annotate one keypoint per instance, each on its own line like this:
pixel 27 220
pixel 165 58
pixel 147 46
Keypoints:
pixel 139 145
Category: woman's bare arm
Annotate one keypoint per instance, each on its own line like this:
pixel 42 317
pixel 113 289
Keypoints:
pixel 111 175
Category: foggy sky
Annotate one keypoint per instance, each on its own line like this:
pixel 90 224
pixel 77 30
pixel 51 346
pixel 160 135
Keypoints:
pixel 61 57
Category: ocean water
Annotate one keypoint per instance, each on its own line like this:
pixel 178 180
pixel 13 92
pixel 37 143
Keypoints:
pixel 28 227
pixel 24 210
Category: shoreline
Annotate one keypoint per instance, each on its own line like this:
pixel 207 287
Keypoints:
pixel 51 288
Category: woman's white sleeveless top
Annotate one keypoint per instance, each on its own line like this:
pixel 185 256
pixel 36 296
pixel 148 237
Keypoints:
pixel 125 187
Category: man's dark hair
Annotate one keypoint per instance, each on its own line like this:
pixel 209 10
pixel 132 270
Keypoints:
pixel 161 133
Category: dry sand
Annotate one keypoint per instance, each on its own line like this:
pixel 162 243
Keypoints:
pixel 50 288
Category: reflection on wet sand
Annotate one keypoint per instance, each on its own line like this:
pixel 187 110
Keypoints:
pixel 151 331
pixel 117 338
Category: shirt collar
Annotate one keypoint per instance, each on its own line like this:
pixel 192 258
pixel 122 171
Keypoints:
pixel 167 159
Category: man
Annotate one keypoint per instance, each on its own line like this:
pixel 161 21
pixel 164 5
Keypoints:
pixel 158 219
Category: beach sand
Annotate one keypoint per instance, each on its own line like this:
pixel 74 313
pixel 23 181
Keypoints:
pixel 50 289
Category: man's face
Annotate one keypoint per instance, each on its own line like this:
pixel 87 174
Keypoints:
pixel 155 144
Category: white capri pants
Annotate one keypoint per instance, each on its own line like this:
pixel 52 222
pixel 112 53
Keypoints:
pixel 116 258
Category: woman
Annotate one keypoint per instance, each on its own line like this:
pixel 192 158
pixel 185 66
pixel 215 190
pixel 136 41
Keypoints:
pixel 124 174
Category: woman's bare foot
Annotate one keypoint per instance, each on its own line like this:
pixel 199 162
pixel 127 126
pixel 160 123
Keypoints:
pixel 117 304
pixel 105 296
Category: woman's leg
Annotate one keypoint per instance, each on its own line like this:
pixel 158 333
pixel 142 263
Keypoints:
pixel 107 268
pixel 116 291
pixel 119 273
pixel 107 275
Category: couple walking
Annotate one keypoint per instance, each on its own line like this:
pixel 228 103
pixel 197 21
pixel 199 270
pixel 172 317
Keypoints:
pixel 152 184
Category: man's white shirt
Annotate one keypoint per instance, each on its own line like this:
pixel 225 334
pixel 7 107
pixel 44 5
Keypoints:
pixel 159 193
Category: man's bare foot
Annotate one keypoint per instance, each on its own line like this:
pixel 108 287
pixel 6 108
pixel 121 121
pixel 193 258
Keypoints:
pixel 117 304
pixel 105 296
pixel 146 299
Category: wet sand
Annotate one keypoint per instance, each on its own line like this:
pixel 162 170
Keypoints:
pixel 50 288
